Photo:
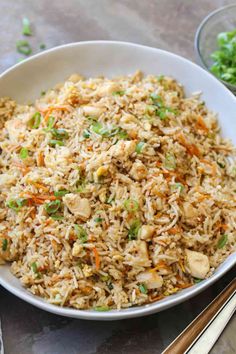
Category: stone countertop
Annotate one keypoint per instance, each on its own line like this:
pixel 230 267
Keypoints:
pixel 169 25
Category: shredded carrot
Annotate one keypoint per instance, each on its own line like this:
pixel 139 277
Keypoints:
pixel 191 148
pixel 97 258
pixel 174 230
pixel 200 124
pixel 41 159
pixel 24 169
pixel 221 226
pixel 160 265
pixel 203 197
pixel 39 186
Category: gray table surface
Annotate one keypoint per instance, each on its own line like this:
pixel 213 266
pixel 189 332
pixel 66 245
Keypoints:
pixel 166 24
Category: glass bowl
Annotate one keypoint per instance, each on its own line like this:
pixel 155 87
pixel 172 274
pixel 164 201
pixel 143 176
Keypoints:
pixel 221 20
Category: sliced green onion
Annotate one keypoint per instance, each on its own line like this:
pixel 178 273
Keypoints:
pixel 222 165
pixel 98 128
pixel 57 216
pixel 50 123
pixel 222 241
pixel 42 46
pixel 23 47
pixel 16 204
pixel 143 288
pixel 56 142
pixel 177 186
pixel 196 280
pixel 101 308
pixel 4 244
pixel 26 27
pixel 34 267
pixel 59 134
pixel 52 207
pixel 170 161
pixel 24 153
pixel 160 78
pixel 98 219
pixel 43 93
pixel 157 100
pixel 35 121
pixel 81 233
pixel 131 205
pixel 122 134
pixel 86 134
pixel 139 147
pixel 118 93
pixel 61 193
pixel 134 229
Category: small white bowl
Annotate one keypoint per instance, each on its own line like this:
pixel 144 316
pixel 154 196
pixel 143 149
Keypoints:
pixel 26 80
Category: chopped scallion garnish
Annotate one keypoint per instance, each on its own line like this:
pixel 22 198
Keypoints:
pixel 24 153
pixel 81 233
pixel 222 241
pixel 170 161
pixel 134 229
pixel 59 134
pixel 101 308
pixel 177 186
pixel 143 288
pixel 61 193
pixel 118 93
pixel 17 204
pixel 131 205
pixel 35 121
pixel 4 244
pixel 139 147
pixel 98 220
pixel 26 27
pixel 52 207
pixel 54 142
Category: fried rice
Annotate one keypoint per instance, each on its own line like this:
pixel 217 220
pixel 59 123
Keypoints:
pixel 114 192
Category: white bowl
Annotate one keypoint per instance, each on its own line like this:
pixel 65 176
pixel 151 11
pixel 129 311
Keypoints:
pixel 26 80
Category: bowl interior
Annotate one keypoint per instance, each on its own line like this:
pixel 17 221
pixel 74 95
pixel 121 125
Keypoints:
pixel 26 80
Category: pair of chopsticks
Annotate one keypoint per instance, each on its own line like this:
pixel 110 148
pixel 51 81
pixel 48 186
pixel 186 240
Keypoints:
pixel 203 332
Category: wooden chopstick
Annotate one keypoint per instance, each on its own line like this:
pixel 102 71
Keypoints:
pixel 186 339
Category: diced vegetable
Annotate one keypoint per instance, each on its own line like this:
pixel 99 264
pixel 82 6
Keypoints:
pixel 197 280
pixel 16 204
pixel 170 161
pixel 4 244
pixel 34 267
pixel 57 217
pixel 101 308
pixel 86 134
pixel 177 186
pixel 222 241
pixel 118 93
pixel 52 207
pixel 81 233
pixel 98 220
pixel 134 229
pixel 59 134
pixel 139 147
pixel 143 288
pixel 26 27
pixel 24 153
pixel 131 205
pixel 23 47
pixel 35 121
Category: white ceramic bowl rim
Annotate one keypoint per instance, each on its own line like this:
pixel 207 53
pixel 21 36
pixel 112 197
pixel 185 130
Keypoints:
pixel 133 311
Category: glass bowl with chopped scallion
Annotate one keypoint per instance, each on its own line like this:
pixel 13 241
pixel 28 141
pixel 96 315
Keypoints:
pixel 215 45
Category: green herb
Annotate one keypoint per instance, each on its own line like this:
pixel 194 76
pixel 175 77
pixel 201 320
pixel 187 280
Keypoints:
pixel 26 27
pixel 56 142
pixel 52 207
pixel 170 162
pixel 35 121
pixel 131 205
pixel 43 93
pixel 160 78
pixel 224 59
pixel 139 147
pixel 59 134
pixel 16 204
pixel 105 278
pixel 222 165
pixel 61 193
pixel 101 308
pixel 42 46
pixel 24 153
pixel 50 123
pixel 143 288
pixel 196 280
pixel 86 134
pixel 23 47
pixel 34 267
pixel 157 100
pixel 98 128
pixel 134 229
pixel 118 93
pixel 222 241
pixel 122 134
pixel 57 216
pixel 4 244
pixel 81 233
pixel 177 186
pixel 98 219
